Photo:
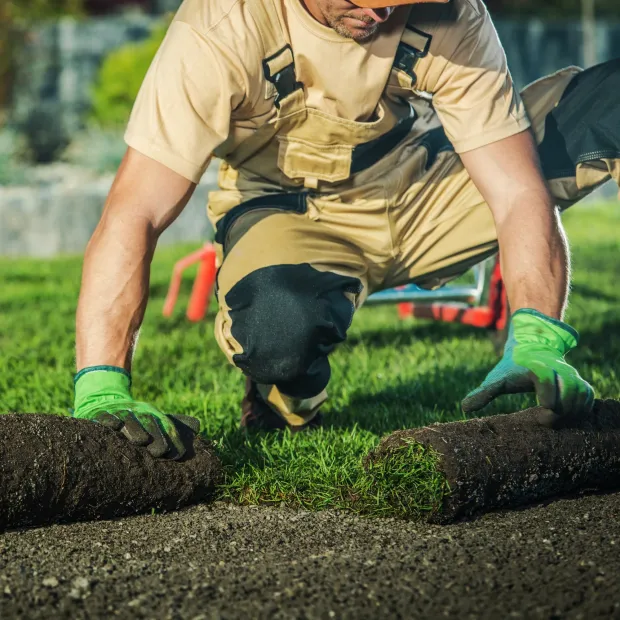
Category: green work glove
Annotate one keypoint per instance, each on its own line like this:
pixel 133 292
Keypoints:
pixel 102 394
pixel 533 361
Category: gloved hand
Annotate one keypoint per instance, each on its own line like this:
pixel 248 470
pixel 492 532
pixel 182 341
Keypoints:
pixel 533 361
pixel 102 394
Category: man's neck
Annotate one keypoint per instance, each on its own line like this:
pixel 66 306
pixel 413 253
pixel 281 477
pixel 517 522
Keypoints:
pixel 312 8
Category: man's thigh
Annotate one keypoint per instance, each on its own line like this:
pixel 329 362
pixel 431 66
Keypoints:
pixel 287 291
pixel 446 235
pixel 445 227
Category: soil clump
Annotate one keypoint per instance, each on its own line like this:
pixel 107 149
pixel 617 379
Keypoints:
pixel 516 459
pixel 55 469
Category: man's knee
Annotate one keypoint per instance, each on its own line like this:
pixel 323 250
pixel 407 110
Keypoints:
pixel 287 319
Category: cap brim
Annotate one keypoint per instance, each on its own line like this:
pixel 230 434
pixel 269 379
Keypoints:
pixel 381 4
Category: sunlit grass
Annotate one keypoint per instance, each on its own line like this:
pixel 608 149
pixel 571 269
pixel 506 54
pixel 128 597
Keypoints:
pixel 389 375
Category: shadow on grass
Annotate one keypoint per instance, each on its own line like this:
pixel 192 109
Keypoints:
pixel 408 406
pixel 596 357
pixel 323 469
pixel 603 330
pixel 590 293
pixel 436 397
pixel 418 330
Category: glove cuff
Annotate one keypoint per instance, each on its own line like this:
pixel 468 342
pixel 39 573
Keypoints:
pixel 86 371
pixel 101 383
pixel 527 324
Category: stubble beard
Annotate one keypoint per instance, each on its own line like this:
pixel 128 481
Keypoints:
pixel 338 24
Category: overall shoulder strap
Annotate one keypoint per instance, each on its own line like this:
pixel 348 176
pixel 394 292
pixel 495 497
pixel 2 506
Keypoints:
pixel 413 46
pixel 268 17
pixel 279 71
pixel 278 61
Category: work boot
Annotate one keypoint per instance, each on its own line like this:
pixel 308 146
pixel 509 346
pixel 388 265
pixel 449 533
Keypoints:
pixel 257 415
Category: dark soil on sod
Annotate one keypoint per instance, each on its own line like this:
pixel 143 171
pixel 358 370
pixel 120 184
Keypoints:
pixel 55 469
pixel 551 561
pixel 59 469
pixel 518 458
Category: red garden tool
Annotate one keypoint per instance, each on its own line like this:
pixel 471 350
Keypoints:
pixel 203 284
pixel 483 304
pixel 471 310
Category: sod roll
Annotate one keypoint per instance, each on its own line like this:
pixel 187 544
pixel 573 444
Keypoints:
pixel 516 459
pixel 58 469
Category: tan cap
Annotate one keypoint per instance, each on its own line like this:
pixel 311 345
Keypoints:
pixel 381 4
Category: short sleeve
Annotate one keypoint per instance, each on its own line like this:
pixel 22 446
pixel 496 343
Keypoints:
pixel 184 107
pixel 473 92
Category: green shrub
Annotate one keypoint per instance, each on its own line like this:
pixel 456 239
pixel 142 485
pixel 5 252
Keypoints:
pixel 44 133
pixel 15 20
pixel 120 78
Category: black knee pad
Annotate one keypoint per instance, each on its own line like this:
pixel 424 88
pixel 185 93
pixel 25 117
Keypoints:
pixel 288 318
pixel 585 125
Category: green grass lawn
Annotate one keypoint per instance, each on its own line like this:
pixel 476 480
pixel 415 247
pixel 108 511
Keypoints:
pixel 389 375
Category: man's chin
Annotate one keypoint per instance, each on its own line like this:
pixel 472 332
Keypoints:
pixel 362 35
pixel 357 34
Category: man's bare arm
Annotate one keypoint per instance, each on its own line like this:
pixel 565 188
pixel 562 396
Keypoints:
pixel 145 199
pixel 533 246
pixel 535 266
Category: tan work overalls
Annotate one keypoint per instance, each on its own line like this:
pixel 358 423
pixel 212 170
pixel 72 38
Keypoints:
pixel 334 202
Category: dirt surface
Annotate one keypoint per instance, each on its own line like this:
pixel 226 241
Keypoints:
pixel 55 468
pixel 519 458
pixel 220 561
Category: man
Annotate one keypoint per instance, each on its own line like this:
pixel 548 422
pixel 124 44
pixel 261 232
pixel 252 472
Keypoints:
pixel 363 147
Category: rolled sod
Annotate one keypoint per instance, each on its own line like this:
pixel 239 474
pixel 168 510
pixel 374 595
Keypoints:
pixel 508 460
pixel 58 469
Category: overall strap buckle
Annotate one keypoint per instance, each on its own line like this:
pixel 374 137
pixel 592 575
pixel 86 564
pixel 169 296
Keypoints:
pixel 413 45
pixel 279 70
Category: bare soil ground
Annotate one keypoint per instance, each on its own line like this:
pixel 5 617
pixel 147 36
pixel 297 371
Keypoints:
pixel 555 561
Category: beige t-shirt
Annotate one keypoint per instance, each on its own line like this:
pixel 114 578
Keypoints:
pixel 205 92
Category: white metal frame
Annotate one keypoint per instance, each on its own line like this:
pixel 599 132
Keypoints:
pixel 469 295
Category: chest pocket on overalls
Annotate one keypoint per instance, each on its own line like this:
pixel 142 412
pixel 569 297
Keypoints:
pixel 315 146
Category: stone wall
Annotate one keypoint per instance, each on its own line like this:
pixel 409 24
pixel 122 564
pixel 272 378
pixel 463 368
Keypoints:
pixel 57 216
pixel 53 218
pixel 59 64
pixel 61 60
pixel 58 68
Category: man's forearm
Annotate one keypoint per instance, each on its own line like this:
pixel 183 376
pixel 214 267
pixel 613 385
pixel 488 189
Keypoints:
pixel 145 199
pixel 534 255
pixel 114 293
pixel 533 247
